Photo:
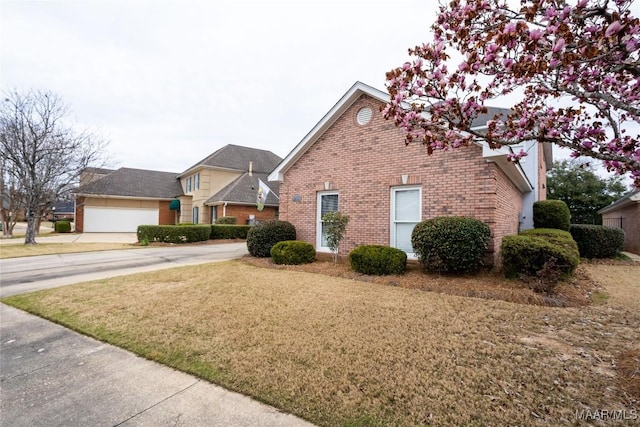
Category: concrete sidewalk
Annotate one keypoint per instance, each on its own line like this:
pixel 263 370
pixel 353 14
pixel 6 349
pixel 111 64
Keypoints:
pixel 52 376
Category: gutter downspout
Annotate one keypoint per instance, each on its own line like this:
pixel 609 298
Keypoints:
pixel 224 209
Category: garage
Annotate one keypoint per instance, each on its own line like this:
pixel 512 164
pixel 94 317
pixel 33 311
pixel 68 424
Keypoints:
pixel 117 220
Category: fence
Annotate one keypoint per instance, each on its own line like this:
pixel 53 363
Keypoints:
pixel 614 222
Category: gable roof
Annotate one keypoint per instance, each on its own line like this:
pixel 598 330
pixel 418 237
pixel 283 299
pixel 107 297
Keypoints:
pixel 236 157
pixel 514 171
pixel 138 183
pixel 244 190
pixel 626 200
pixel 64 206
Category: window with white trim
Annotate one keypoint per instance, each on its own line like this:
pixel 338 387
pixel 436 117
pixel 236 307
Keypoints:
pixel 196 181
pixel 196 215
pixel 327 202
pixel 406 212
pixel 188 185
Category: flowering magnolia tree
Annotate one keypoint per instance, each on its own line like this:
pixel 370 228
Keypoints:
pixel 574 65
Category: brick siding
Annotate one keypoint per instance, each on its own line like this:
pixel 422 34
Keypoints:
pixel 364 162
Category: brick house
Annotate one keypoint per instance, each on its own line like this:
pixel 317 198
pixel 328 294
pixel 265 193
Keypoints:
pixel 224 183
pixel 624 213
pixel 355 161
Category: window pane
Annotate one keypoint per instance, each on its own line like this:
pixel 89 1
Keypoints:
pixel 329 203
pixel 407 205
pixel 403 236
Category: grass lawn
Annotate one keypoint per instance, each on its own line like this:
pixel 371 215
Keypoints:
pixel 18 250
pixel 338 351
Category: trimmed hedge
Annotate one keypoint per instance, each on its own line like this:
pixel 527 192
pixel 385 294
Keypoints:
pixel 378 260
pixel 546 254
pixel 598 241
pixel 551 214
pixel 262 237
pixel 227 220
pixel 62 226
pixel 451 244
pixel 293 252
pixel 174 233
pixel 229 231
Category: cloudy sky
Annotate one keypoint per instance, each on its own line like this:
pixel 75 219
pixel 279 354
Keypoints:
pixel 169 82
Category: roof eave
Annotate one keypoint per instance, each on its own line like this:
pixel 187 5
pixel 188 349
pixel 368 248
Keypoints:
pixel 324 124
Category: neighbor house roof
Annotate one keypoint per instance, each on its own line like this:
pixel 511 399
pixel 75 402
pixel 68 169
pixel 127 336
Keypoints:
pixel 64 206
pixel 236 157
pixel 627 200
pixel 244 191
pixel 500 157
pixel 138 183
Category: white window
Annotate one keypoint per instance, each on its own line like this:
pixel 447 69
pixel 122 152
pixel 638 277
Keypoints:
pixel 196 218
pixel 327 202
pixel 189 185
pixel 406 212
pixel 196 181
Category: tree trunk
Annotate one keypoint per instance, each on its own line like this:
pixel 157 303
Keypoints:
pixel 30 236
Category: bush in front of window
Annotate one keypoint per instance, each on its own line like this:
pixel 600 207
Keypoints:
pixel 454 244
pixel 293 252
pixel 597 241
pixel 227 220
pixel 262 237
pixel 173 233
pixel 378 260
pixel 62 226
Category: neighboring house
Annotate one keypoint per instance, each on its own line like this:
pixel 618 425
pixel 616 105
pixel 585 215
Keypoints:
pixel 355 161
pixel 63 209
pixel 224 183
pixel 124 199
pixel 625 213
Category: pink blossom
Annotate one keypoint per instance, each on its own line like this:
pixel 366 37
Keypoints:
pixel 535 34
pixel 613 28
pixel 559 45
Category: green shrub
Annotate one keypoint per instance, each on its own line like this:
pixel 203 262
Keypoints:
pixel 540 257
pixel 551 214
pixel 451 244
pixel 293 252
pixel 227 220
pixel 229 231
pixel 62 226
pixel 597 241
pixel 174 233
pixel 379 260
pixel 262 237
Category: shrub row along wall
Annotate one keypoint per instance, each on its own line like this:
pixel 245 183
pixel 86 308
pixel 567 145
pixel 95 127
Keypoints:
pixel 597 241
pixel 186 233
pixel 173 233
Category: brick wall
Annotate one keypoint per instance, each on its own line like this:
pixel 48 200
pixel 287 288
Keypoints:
pixel 165 215
pixel 242 212
pixel 364 162
pixel 79 221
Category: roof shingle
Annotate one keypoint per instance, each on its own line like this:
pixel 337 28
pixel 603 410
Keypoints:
pixel 130 182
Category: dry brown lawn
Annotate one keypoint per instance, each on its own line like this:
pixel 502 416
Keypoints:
pixel 343 351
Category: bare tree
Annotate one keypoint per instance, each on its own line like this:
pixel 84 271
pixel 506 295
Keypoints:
pixel 42 155
pixel 12 201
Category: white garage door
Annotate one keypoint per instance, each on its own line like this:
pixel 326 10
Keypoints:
pixel 117 220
